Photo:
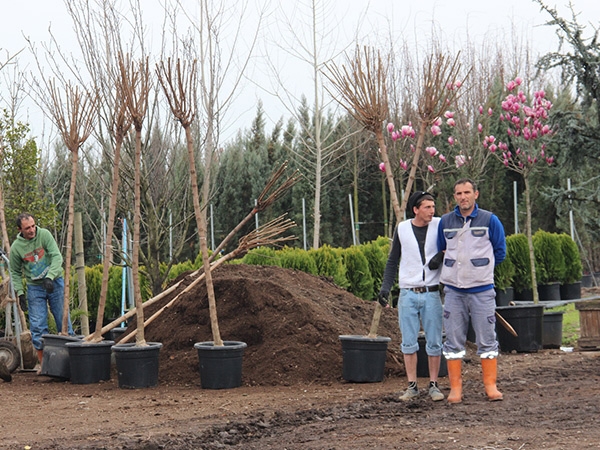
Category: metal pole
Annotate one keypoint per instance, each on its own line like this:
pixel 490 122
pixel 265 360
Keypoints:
pixel 571 222
pixel 304 220
pixel 516 207
pixel 170 236
pixel 124 270
pixel 256 215
pixel 352 220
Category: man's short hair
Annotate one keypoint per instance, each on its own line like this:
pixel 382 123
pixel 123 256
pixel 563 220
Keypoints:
pixel 22 217
pixel 464 181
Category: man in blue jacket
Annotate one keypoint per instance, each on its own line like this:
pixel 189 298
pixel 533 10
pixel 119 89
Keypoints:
pixel 474 242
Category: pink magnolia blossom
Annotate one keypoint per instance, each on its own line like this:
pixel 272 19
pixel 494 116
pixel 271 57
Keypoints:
pixel 550 160
pixel 490 111
pixel 449 114
pixel 451 122
pixel 432 151
pixel 450 140
pixel 390 127
pixel 480 109
pixel 442 158
pixel 382 166
pixel 436 130
pixel 479 127
pixel 403 164
pixel 459 160
pixel 395 136
pixel 407 131
pixel 431 169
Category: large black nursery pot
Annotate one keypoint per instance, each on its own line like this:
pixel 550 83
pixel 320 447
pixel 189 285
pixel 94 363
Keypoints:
pixel 89 361
pixel 570 291
pixel 364 358
pixel 423 359
pixel 505 296
pixel 137 366
pixel 553 322
pixel 528 322
pixel 549 292
pixel 55 360
pixel 220 366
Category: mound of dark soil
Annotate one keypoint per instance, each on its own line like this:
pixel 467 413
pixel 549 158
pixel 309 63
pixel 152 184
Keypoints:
pixel 289 319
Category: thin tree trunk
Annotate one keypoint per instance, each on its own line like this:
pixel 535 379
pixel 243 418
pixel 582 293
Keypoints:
pixel 536 297
pixel 135 264
pixel 108 247
pixel 65 318
pixel 80 270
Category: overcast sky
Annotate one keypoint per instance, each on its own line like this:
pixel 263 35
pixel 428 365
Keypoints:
pixel 408 21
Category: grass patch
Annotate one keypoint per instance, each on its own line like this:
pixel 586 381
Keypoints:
pixel 570 328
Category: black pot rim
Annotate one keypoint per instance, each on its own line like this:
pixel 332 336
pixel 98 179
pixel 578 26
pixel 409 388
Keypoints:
pixel 82 343
pixel 227 345
pixel 60 337
pixel 132 347
pixel 356 337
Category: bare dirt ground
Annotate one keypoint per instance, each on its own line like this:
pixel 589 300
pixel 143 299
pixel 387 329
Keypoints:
pixel 293 395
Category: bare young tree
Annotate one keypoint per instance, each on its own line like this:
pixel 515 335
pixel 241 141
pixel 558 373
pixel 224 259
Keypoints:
pixel 75 117
pixel 136 84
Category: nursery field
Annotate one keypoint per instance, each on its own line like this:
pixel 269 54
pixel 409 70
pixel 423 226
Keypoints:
pixel 292 394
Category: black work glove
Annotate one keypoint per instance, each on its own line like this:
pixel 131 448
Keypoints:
pixel 382 298
pixel 436 261
pixel 23 302
pixel 48 285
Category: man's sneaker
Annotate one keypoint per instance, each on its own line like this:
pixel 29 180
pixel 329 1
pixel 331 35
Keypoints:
pixel 434 392
pixel 409 394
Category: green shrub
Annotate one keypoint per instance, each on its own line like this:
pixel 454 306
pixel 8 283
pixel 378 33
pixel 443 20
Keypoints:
pixel 549 262
pixel 178 269
pixel 358 273
pixel 330 264
pixel 298 259
pixel 504 274
pixel 517 250
pixel 573 267
pixel 261 256
pixel 377 260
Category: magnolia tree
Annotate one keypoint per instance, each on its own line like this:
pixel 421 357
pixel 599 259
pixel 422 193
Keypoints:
pixel 523 148
pixel 439 155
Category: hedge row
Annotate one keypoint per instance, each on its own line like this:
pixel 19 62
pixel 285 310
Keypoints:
pixel 359 269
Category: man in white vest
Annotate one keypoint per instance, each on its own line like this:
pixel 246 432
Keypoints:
pixel 419 304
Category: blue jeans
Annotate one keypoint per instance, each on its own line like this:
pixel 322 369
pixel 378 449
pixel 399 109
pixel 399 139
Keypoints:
pixel 481 308
pixel 416 309
pixel 39 300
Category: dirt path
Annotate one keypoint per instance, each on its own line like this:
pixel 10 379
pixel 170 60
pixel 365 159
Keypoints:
pixel 293 396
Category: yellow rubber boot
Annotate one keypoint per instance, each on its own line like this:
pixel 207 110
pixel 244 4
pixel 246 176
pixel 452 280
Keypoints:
pixel 489 367
pixel 455 377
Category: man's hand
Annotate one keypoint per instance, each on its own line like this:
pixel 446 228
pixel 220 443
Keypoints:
pixel 382 298
pixel 23 302
pixel 436 261
pixel 48 285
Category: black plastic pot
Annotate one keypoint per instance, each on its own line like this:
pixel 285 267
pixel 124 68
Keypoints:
pixel 505 296
pixel 55 360
pixel 423 360
pixel 552 335
pixel 527 321
pixel 525 295
pixel 549 292
pixel 587 280
pixel 89 362
pixel 137 366
pixel 220 366
pixel 364 358
pixel 570 291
